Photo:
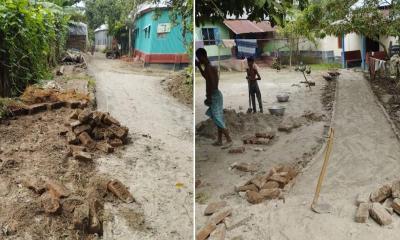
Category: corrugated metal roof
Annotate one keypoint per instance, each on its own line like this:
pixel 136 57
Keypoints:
pixel 247 26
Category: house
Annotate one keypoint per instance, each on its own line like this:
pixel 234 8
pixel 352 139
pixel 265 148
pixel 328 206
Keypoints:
pixel 101 38
pixel 247 38
pixel 77 36
pixel 156 39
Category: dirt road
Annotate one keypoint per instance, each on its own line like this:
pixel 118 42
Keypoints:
pixel 365 155
pixel 159 157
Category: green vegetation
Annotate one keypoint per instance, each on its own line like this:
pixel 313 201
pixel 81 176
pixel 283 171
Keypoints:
pixel 324 66
pixel 32 39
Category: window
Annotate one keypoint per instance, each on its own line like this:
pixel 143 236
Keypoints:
pixel 340 41
pixel 209 35
pixel 147 32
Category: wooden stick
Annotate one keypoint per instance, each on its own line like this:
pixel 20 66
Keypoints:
pixel 328 150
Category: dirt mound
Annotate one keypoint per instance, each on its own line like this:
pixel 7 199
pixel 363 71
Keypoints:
pixel 180 87
pixel 34 94
pixel 44 193
pixel 239 124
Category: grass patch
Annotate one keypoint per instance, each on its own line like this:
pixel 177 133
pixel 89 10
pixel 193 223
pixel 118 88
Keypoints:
pixel 325 66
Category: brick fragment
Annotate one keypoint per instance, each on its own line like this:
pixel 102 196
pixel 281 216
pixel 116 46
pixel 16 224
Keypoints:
pixel 205 231
pixel 86 140
pixel 56 189
pixel 251 187
pixel 81 217
pixel 104 147
pixel 50 203
pixel 396 205
pixel 270 185
pixel 379 214
pixel 82 128
pixel 116 142
pixel 245 167
pixel 36 108
pixel 120 132
pixel 396 189
pixel 237 150
pixel 84 116
pixel 109 120
pixel 218 233
pixel 254 197
pixel 55 105
pixel 381 193
pixel 362 213
pixel 82 156
pixel 214 207
pixel 270 193
pixel 120 191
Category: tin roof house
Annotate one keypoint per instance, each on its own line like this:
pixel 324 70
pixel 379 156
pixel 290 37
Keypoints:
pixel 78 36
pixel 156 39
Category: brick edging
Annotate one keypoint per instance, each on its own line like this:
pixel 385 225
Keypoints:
pixel 387 116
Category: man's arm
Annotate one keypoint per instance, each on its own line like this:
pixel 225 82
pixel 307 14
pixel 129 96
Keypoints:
pixel 258 75
pixel 198 65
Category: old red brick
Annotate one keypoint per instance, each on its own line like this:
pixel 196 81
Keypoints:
pixel 245 167
pixel 214 207
pixel 116 142
pixel 82 156
pixel 84 116
pixel 120 132
pixel 379 214
pixel 109 120
pixel 254 197
pixel 104 147
pixel 362 213
pixel 36 108
pixel 55 105
pixel 205 231
pixel 270 193
pixel 86 140
pixel 82 128
pixel 120 191
pixel 381 193
pixel 73 104
pixel 270 185
pixel 245 188
pixel 56 189
pixel 50 203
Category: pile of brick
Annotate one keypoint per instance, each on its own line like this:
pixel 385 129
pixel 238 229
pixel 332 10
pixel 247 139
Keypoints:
pixel 267 186
pixel 259 138
pixel 93 130
pixel 215 228
pixel 56 199
pixel 380 204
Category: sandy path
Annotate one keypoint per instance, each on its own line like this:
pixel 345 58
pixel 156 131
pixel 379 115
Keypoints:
pixel 150 166
pixel 212 164
pixel 365 155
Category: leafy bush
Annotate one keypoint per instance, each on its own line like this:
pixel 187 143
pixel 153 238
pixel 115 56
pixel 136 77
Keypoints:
pixel 32 38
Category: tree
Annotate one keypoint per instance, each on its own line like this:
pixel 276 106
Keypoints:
pixel 256 10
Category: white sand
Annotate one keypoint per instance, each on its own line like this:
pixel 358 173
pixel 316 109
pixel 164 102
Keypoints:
pixel 365 154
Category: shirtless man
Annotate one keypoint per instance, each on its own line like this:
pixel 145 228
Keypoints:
pixel 252 77
pixel 214 99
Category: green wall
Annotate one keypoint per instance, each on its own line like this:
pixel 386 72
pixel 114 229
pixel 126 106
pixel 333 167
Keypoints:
pixel 212 50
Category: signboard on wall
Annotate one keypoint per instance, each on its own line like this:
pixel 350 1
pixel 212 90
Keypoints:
pixel 164 28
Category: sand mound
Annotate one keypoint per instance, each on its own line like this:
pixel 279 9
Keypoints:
pixel 239 123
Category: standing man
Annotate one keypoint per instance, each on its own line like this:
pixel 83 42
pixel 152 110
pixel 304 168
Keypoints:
pixel 252 77
pixel 214 99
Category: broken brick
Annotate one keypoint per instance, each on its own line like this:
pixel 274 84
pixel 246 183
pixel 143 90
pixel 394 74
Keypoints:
pixel 362 198
pixel 259 181
pixel 362 213
pixel 396 189
pixel 205 231
pixel 105 147
pixel 71 203
pixel 116 142
pixel 75 124
pixel 120 191
pixel 278 178
pixel 74 148
pixel 82 128
pixel 214 207
pixel 37 185
pixel 82 156
pixel 237 150
pixel 19 111
pixel 218 233
pixel 71 138
pixel 254 197
pixel 73 104
pixel 109 120
pixel 264 141
pixel 50 203
pixel 120 132
pixel 85 115
pixel 98 117
pixel 220 215
pixel 55 105
pixel 95 226
pixel 75 114
pixel 81 217
pixel 86 140
pixel 245 167
pixel 251 187
pixel 270 185
pixel 270 193
pixel 396 205
pixel 381 194
pixel 379 214
pixel 56 189
pixel 36 108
